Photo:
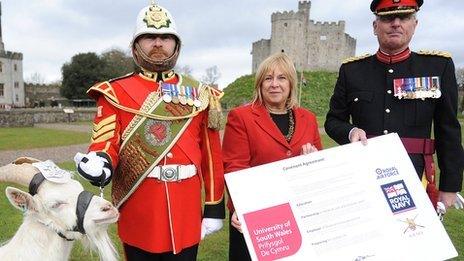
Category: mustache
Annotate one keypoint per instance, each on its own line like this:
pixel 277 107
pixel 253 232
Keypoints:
pixel 156 52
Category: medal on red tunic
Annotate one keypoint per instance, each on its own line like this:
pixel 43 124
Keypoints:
pixel 182 97
pixel 166 91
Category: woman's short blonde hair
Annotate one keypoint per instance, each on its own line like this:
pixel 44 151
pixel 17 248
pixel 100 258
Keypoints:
pixel 284 63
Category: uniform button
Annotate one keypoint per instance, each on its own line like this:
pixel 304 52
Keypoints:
pixel 356 99
pixel 289 153
pixel 385 132
pixel 387 110
pixel 389 92
pixel 169 155
pixel 390 71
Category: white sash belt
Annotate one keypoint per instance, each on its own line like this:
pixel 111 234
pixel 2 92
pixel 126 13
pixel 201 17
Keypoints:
pixel 173 172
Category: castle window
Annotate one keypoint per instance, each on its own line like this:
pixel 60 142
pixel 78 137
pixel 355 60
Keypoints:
pixel 323 37
pixel 16 84
pixel 285 24
pixel 2 90
pixel 15 67
pixel 1 67
pixel 17 98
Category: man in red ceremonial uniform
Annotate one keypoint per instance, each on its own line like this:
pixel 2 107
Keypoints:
pixel 156 137
pixel 397 90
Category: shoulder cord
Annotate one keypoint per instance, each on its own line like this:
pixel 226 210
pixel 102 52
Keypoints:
pixel 194 113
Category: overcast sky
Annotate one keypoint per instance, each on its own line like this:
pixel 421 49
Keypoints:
pixel 214 32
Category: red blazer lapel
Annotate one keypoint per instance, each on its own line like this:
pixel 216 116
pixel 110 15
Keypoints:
pixel 301 126
pixel 264 121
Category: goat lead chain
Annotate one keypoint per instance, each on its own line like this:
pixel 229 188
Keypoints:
pixel 101 192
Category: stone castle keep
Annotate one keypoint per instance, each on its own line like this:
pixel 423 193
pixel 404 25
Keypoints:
pixel 11 76
pixel 311 45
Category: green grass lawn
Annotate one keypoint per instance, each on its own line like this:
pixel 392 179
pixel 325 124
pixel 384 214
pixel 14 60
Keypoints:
pixel 28 138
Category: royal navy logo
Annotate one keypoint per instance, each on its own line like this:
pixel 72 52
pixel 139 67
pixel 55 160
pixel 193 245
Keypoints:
pixel 417 88
pixel 398 197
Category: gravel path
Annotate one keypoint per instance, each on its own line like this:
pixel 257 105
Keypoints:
pixel 56 154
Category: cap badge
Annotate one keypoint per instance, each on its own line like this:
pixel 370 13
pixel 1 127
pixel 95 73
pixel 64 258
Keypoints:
pixel 156 17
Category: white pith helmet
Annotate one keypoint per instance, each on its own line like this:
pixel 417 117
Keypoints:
pixel 155 19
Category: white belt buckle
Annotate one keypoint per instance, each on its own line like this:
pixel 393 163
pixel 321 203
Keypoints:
pixel 169 173
pixel 173 172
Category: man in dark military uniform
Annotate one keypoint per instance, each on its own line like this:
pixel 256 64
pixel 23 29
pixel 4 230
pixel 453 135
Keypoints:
pixel 400 91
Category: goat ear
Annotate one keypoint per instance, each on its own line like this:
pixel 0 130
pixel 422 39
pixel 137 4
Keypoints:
pixel 20 199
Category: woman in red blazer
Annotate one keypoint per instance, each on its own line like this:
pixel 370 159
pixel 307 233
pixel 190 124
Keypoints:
pixel 268 129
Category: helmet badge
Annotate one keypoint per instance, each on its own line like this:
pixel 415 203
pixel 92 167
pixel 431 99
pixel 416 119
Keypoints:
pixel 156 17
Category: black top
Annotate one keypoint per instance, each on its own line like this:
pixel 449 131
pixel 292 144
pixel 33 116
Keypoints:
pixel 364 97
pixel 282 121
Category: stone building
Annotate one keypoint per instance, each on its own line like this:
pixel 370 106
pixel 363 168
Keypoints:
pixel 11 76
pixel 311 45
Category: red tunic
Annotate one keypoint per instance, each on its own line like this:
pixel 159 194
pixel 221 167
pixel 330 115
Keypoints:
pixel 160 216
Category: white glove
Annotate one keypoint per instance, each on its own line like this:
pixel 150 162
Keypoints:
pixel 459 201
pixel 94 168
pixel 210 225
pixel 441 210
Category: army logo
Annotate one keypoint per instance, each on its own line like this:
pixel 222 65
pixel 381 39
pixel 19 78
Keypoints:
pixel 156 17
pixel 411 227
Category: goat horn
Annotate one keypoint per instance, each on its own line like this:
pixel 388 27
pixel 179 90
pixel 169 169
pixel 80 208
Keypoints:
pixel 20 171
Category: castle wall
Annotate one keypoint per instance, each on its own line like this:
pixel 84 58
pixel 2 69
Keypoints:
pixel 11 76
pixel 328 45
pixel 288 34
pixel 261 49
pixel 311 45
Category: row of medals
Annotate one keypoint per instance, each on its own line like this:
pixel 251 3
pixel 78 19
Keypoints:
pixel 417 88
pixel 185 95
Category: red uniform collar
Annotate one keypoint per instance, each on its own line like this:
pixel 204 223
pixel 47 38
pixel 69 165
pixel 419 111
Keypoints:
pixel 395 58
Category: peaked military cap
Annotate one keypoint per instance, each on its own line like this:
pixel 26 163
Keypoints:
pixel 388 7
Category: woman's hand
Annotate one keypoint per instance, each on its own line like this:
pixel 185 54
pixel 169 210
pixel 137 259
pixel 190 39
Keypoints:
pixel 307 148
pixel 235 223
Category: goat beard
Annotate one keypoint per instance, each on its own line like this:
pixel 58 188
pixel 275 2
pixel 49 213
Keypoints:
pixel 98 240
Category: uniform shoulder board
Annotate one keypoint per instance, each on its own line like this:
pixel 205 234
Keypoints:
pixel 435 53
pixel 121 77
pixel 356 58
pixel 104 88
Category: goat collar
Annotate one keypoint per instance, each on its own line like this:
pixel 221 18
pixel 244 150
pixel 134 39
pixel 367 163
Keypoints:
pixel 83 202
pixel 35 183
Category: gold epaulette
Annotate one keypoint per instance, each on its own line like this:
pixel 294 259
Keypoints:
pixel 215 116
pixel 435 53
pixel 356 58
pixel 121 77
pixel 104 88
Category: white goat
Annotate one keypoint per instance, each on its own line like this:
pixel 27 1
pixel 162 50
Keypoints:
pixel 51 216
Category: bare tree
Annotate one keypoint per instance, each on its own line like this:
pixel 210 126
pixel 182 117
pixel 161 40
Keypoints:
pixel 35 78
pixel 184 70
pixel 460 77
pixel 212 74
